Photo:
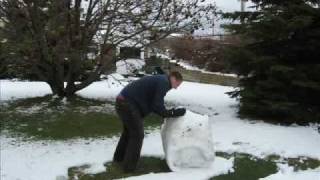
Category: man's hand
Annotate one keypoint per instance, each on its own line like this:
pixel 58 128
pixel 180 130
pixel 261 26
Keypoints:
pixel 174 112
pixel 178 112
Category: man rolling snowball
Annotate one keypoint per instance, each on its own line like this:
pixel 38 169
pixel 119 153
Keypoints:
pixel 136 101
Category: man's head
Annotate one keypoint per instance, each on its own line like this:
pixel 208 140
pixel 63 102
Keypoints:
pixel 175 79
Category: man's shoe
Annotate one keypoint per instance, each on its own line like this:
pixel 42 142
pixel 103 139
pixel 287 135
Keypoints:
pixel 128 169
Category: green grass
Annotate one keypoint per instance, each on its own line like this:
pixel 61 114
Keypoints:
pixel 246 167
pixel 303 163
pixel 114 170
pixel 47 119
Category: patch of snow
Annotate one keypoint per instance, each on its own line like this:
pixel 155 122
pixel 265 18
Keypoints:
pixel 173 61
pixel 55 97
pixel 105 108
pixel 128 66
pixel 103 90
pixel 287 173
pixel 29 110
pixel 176 35
pixel 232 134
pixel 10 90
pixel 188 66
pixel 220 166
pixel 48 159
pixel 163 56
pixel 64 101
pixel 38 160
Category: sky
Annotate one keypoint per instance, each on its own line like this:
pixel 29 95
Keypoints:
pixel 228 5
pixel 225 6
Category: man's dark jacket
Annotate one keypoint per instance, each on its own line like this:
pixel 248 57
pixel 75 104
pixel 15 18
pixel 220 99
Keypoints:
pixel 148 94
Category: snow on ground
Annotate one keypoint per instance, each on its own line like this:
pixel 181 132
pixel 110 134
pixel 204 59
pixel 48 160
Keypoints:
pixel 47 160
pixel 188 66
pixel 128 66
pixel 20 89
pixel 234 135
pixel 220 166
pixel 287 172
pixel 230 134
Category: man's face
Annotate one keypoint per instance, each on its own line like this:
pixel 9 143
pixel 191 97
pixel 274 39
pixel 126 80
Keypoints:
pixel 174 82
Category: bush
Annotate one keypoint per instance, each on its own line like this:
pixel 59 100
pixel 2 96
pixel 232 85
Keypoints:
pixel 204 53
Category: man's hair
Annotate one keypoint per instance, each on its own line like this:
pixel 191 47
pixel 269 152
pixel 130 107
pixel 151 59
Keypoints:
pixel 176 75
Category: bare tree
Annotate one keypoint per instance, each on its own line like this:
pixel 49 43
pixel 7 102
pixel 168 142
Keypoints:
pixel 70 43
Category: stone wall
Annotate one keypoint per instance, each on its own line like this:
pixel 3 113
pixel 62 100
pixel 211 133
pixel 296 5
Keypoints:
pixel 197 76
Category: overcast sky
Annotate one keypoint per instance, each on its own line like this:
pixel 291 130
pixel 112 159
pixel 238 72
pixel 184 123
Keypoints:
pixel 226 6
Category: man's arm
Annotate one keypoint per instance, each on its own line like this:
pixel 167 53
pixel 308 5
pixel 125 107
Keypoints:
pixel 158 104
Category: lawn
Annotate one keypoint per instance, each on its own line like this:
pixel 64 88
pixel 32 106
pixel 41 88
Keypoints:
pixel 48 118
pixel 45 118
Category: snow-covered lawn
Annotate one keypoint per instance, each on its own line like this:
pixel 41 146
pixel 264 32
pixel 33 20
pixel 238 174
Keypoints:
pixel 49 159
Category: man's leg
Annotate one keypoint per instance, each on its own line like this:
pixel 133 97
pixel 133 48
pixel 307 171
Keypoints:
pixel 123 112
pixel 135 139
pixel 121 147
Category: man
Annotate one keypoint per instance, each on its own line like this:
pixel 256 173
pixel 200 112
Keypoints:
pixel 136 101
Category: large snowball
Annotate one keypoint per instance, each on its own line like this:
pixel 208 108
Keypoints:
pixel 187 142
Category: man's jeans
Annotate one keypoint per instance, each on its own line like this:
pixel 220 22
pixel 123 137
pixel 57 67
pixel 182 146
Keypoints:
pixel 130 143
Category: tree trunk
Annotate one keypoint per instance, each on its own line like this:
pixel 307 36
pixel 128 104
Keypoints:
pixel 57 89
pixel 70 89
pixel 60 91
